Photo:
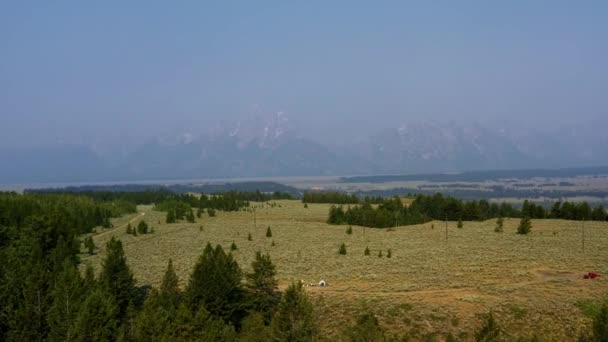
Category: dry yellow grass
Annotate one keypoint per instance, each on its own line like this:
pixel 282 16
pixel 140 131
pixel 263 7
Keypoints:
pixel 428 286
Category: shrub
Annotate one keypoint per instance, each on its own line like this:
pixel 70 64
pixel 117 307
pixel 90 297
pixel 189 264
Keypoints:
pixel 342 250
pixel 459 223
pixel 499 224
pixel 525 226
pixel 129 229
pixel 367 328
pixel 489 331
pixel 249 237
pixel 379 254
pixel 211 212
pixel 389 253
pixel 366 253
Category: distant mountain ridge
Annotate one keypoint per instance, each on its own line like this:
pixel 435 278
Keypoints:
pixel 273 146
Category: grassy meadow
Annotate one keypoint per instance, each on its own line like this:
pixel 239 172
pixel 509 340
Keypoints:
pixel 430 286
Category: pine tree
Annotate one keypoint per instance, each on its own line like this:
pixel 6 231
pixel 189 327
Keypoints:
pixel 254 329
pixel 342 250
pixel 142 227
pixel 272 244
pixel 262 284
pixel 190 216
pixel 294 320
pixel 525 226
pixel 233 247
pixel 367 252
pixel 215 284
pixel 459 225
pixel 171 216
pixel 129 228
pixel 268 232
pixel 153 322
pixel 349 230
pixel 389 253
pixel 379 254
pixel 169 289
pixel 67 297
pixel 96 319
pixel 116 277
pixel 249 237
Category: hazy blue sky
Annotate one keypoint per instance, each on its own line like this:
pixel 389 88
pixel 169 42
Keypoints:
pixel 75 71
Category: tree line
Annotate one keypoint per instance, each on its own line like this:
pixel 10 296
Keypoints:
pixel 339 198
pixel 424 208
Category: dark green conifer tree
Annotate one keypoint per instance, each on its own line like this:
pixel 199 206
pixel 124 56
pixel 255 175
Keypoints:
pixel 96 319
pixel 67 297
pixel 116 277
pixel 262 285
pixel 215 284
pixel 294 320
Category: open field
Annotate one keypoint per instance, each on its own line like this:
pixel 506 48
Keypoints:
pixel 429 286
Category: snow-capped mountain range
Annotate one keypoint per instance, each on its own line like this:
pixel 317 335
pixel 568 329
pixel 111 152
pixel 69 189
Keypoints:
pixel 273 146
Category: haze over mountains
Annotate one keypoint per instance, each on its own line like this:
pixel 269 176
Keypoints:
pixel 272 145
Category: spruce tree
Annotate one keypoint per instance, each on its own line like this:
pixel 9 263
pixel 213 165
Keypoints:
pixel 142 227
pixel 254 329
pixel 190 217
pixel 215 284
pixel 389 253
pixel 97 318
pixel 169 289
pixel 233 247
pixel 349 230
pixel 294 320
pixel 342 250
pixel 153 322
pixel 171 216
pixel 525 226
pixel 67 297
pixel 268 232
pixel 367 252
pixel 262 285
pixel 116 277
